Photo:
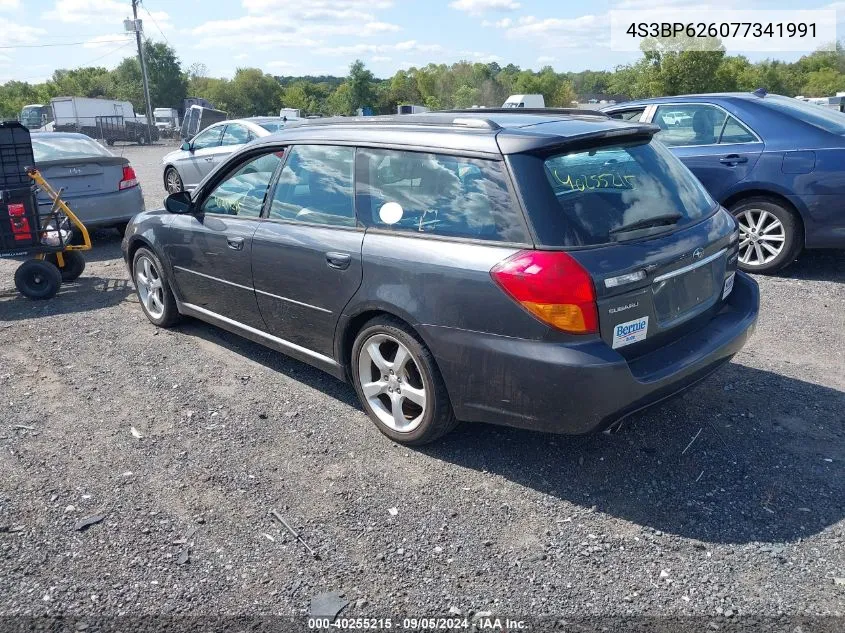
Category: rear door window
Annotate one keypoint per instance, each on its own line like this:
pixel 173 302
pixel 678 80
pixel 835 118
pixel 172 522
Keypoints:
pixel 436 194
pixel 235 135
pixel 628 115
pixel 736 132
pixel 585 197
pixel 315 186
pixel 685 125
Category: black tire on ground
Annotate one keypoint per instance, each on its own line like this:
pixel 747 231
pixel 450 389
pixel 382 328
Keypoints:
pixel 438 418
pixel 793 232
pixel 38 279
pixel 109 142
pixel 74 264
pixel 172 174
pixel 170 313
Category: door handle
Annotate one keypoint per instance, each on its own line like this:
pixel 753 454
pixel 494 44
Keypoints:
pixel 340 261
pixel 733 159
pixel 209 159
pixel 235 243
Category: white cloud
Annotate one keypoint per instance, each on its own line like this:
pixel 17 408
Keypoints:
pixel 8 5
pixel 380 58
pixel 265 6
pixel 284 29
pixel 15 34
pixel 545 59
pixel 583 31
pixel 376 49
pixel 103 12
pixel 484 58
pixel 478 7
pixel 103 41
pixel 279 65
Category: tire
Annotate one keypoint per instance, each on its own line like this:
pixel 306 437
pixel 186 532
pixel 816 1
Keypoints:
pixel 110 142
pixel 38 279
pixel 414 424
pixel 74 265
pixel 767 225
pixel 153 290
pixel 172 181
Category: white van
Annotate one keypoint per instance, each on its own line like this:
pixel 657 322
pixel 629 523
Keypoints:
pixel 525 101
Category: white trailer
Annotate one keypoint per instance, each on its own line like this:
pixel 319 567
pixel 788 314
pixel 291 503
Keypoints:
pixel 105 119
pixel 290 113
pixel 410 109
pixel 525 101
pixel 82 111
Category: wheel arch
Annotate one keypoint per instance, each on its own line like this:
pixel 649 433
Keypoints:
pixel 774 196
pixel 350 326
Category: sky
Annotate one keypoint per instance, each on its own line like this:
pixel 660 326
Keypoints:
pixel 301 37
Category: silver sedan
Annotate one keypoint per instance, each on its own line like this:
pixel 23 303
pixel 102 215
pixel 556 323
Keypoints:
pixel 185 168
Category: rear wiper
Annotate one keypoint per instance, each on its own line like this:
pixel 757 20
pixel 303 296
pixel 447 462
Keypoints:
pixel 645 223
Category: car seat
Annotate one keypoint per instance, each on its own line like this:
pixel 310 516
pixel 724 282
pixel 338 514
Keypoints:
pixel 702 125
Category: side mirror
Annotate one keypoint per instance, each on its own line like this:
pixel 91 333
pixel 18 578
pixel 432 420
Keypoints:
pixel 179 203
pixel 186 147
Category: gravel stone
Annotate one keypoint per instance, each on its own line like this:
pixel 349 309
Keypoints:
pixel 747 483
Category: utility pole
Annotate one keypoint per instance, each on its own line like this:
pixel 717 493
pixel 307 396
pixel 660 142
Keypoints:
pixel 140 41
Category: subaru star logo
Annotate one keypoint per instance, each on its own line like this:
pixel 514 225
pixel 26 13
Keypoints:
pixel 698 253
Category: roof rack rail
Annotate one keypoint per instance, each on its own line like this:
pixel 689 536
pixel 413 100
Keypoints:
pixel 569 111
pixel 429 119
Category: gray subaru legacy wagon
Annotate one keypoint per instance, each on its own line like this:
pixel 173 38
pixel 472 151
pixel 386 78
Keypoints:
pixel 552 270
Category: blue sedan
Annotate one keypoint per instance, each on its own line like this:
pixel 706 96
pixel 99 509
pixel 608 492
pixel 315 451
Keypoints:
pixel 777 163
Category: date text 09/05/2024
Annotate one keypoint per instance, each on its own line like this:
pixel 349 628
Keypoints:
pixel 417 624
pixel 722 29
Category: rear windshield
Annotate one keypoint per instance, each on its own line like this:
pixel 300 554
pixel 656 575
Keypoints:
pixel 584 197
pixel 62 147
pixel 822 117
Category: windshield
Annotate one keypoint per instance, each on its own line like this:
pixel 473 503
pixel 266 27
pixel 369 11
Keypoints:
pixel 163 119
pixel 47 147
pixel 820 116
pixel 592 196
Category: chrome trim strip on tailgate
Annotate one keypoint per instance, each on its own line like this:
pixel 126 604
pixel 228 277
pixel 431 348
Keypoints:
pixel 686 269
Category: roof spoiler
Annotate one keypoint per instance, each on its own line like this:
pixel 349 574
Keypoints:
pixel 514 143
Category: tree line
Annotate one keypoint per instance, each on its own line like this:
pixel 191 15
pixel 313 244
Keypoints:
pixel 664 69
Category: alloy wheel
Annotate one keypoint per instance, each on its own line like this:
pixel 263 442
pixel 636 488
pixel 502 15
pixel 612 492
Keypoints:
pixel 150 289
pixel 392 384
pixel 761 237
pixel 174 182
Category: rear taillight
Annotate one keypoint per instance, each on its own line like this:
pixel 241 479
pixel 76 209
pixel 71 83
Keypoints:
pixel 553 287
pixel 19 222
pixel 129 178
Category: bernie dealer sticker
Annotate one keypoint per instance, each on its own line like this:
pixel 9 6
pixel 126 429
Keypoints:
pixel 630 332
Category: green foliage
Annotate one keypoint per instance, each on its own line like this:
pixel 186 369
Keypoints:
pixel 665 68
pixel 168 86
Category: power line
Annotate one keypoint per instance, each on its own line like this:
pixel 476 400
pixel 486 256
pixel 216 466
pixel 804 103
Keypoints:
pixel 154 22
pixel 96 59
pixel 65 44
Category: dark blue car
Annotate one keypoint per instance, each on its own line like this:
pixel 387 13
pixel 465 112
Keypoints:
pixel 777 163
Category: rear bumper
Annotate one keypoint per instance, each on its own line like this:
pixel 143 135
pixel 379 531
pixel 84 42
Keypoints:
pixel 586 387
pixel 105 209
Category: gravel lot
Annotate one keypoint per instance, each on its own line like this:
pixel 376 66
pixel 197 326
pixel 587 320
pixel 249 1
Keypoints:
pixel 727 502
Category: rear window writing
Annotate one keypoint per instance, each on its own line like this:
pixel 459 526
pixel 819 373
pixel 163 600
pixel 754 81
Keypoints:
pixel 599 190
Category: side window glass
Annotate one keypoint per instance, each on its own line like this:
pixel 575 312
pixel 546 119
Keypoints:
pixel 235 135
pixel 316 186
pixel 432 193
pixel 695 124
pixel 242 193
pixel 208 138
pixel 628 115
pixel 736 132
